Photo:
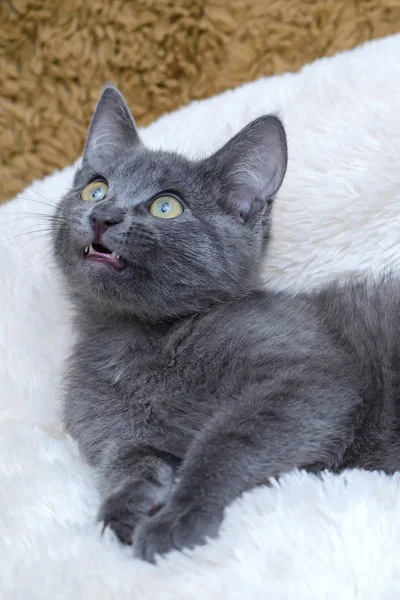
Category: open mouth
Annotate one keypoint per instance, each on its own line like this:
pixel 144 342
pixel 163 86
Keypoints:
pixel 100 253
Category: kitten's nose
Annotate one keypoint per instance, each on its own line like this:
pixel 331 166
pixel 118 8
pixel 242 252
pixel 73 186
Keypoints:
pixel 103 217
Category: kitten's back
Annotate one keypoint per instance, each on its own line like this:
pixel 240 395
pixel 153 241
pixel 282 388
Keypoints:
pixel 364 316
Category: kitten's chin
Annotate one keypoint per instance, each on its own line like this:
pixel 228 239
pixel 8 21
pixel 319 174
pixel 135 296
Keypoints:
pixel 137 292
pixel 108 293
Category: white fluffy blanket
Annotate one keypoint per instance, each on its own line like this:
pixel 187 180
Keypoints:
pixel 338 213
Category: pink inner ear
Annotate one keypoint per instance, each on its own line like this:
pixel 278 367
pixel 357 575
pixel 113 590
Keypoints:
pixel 241 200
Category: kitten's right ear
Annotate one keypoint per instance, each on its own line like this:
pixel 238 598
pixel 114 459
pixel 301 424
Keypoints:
pixel 111 130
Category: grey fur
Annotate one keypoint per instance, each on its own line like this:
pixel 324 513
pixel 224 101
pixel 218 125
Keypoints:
pixel 188 384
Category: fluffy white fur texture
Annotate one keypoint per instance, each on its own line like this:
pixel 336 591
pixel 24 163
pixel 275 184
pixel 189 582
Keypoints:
pixel 338 214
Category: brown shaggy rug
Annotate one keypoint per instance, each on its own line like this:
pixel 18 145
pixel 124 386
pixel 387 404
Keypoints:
pixel 55 55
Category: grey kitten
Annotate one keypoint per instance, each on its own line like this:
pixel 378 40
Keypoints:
pixel 188 384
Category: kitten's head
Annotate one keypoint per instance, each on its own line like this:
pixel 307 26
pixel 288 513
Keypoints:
pixel 157 235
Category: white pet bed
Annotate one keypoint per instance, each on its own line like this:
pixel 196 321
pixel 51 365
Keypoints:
pixel 338 213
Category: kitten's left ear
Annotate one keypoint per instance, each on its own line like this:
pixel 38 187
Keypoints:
pixel 111 130
pixel 253 164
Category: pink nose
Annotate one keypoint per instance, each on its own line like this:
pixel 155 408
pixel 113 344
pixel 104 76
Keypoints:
pixel 103 217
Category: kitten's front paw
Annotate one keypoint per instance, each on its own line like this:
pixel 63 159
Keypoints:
pixel 123 511
pixel 175 528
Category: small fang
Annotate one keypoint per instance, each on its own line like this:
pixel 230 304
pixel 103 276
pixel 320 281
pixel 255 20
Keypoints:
pixel 117 256
pixel 86 250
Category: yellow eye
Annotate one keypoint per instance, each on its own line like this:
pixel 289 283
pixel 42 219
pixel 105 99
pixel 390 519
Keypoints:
pixel 166 207
pixel 96 190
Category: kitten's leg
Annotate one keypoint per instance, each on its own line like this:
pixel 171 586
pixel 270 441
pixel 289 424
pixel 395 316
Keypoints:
pixel 252 440
pixel 136 481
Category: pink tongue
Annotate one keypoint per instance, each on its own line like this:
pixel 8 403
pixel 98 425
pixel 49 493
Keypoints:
pixel 107 259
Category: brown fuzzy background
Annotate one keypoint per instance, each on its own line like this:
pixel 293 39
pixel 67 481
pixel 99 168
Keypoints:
pixel 55 55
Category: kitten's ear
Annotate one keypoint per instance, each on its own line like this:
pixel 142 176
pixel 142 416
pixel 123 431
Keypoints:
pixel 111 130
pixel 253 164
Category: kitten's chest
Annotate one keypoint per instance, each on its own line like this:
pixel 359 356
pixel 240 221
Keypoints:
pixel 168 372
pixel 178 374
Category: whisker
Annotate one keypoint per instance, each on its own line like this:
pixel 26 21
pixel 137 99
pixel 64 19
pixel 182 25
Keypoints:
pixel 48 202
pixel 26 212
pixel 38 237
pixel 32 218
pixel 26 233
pixel 30 199
pixel 60 208
pixel 43 256
pixel 44 197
